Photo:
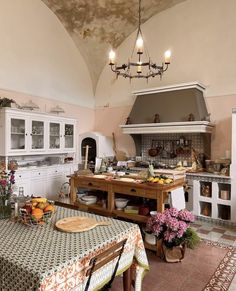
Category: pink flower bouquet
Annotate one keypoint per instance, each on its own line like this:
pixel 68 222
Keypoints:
pixel 172 226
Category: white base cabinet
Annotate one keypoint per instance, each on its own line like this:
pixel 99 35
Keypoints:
pixel 212 197
pixel 44 181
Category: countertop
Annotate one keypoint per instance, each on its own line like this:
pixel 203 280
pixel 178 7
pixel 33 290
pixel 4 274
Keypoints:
pixel 206 174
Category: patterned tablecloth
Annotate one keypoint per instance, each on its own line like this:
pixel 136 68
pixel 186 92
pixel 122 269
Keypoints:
pixel 42 258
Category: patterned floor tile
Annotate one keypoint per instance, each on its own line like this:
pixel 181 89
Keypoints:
pixel 203 236
pixel 214 236
pixel 230 232
pixel 215 232
pixel 226 241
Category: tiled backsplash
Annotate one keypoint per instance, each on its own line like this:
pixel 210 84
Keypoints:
pixel 172 143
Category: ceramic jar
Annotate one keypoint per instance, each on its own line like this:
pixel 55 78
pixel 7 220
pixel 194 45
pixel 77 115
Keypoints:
pixel 150 238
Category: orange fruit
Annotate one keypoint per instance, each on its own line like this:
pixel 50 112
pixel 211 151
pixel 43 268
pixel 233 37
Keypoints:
pixel 37 213
pixel 49 207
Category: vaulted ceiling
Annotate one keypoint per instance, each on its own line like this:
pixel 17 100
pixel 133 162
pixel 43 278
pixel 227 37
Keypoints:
pixel 97 25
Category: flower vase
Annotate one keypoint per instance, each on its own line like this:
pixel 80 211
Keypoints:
pixel 5 206
pixel 174 254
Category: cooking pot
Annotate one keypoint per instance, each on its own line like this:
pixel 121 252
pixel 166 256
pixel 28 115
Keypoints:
pixel 153 151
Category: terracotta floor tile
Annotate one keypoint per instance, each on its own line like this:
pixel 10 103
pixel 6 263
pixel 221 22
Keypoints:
pixel 204 231
pixel 219 230
pixel 196 225
pixel 229 237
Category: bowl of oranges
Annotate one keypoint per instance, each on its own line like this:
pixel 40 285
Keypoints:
pixel 37 211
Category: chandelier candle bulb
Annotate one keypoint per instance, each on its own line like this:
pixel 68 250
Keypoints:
pixel 167 57
pixel 139 70
pixel 112 57
pixel 139 45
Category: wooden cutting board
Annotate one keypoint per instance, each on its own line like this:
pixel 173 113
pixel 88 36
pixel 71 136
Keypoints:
pixel 79 224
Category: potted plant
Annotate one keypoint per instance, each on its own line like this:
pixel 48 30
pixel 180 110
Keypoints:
pixel 6 102
pixel 173 228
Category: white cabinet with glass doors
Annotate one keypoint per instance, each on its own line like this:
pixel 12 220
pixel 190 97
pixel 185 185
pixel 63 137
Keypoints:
pixel 26 133
pixel 61 136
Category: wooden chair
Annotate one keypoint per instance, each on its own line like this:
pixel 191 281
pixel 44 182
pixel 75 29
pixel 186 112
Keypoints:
pixel 105 257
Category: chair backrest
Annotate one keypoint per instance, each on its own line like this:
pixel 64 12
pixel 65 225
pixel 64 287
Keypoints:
pixel 102 259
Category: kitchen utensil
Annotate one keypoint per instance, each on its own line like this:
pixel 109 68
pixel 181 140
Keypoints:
pixel 143 210
pixel 88 199
pixel 119 155
pixel 153 213
pixel 166 152
pixel 153 151
pixel 172 153
pixel 121 203
pixel 79 224
pixel 224 194
pixel 206 191
pixel 159 147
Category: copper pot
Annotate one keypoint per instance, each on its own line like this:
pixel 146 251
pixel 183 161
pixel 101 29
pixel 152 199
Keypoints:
pixel 153 151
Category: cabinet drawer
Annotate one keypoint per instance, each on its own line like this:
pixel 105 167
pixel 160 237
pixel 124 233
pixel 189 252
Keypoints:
pixel 20 176
pixel 129 190
pixel 93 185
pixel 38 174
pixel 54 171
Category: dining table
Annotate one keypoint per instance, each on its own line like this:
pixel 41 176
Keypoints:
pixel 41 257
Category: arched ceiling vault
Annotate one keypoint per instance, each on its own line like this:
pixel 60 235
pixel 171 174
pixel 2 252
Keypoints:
pixel 96 25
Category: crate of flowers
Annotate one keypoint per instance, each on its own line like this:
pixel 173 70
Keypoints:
pixel 37 211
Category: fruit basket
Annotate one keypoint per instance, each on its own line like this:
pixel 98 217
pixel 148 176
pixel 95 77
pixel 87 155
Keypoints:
pixel 37 211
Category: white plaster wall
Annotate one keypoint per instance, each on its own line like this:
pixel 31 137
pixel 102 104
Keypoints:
pixel 38 57
pixel 200 34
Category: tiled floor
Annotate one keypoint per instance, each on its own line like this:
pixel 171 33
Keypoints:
pixel 217 233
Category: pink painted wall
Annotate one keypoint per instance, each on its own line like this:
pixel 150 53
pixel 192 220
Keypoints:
pixel 220 108
pixel 107 120
pixel 83 115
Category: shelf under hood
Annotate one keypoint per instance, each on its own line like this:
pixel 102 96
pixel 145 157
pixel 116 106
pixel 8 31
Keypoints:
pixel 169 127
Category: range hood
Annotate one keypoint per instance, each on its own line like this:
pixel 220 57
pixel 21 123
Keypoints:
pixel 173 104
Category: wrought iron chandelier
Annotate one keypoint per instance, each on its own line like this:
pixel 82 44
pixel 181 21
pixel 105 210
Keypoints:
pixel 141 68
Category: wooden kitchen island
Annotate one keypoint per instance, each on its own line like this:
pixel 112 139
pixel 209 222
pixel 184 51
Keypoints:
pixel 114 187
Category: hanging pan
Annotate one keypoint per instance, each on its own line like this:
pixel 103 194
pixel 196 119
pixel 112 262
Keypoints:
pixel 153 151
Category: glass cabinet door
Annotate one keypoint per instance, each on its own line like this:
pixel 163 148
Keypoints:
pixel 54 135
pixel 69 136
pixel 18 134
pixel 37 135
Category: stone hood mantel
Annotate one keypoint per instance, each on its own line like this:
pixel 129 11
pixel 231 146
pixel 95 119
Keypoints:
pixel 169 127
pixel 173 105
